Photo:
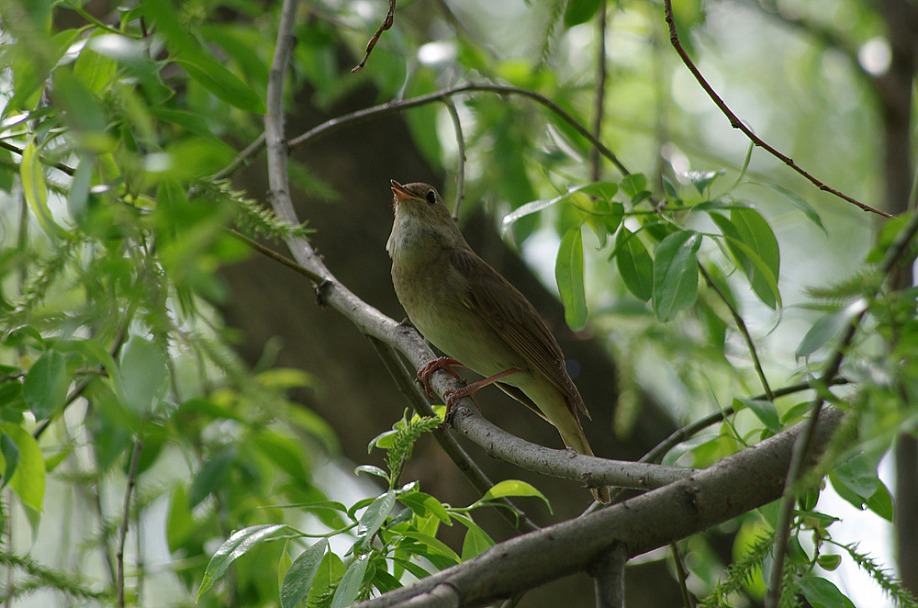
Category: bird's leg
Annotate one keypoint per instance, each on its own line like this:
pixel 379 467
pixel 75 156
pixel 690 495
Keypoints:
pixel 469 390
pixel 444 363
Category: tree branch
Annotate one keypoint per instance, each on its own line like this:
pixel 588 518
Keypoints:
pixel 736 123
pixel 735 485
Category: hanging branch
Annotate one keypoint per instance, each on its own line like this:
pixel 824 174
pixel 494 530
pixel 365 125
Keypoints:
pixel 385 25
pixel 736 123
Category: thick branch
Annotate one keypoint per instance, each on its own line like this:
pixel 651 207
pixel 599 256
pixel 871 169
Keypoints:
pixel 735 485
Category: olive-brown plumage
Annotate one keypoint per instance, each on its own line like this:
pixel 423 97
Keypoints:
pixel 475 316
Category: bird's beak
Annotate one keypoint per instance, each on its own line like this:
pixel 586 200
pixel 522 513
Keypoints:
pixel 399 191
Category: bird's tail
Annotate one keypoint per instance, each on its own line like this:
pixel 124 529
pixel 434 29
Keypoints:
pixel 575 439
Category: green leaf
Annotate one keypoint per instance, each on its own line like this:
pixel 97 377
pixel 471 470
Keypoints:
pixel 35 189
pixel 10 452
pixel 634 264
pixel 424 504
pixel 142 375
pixel 856 479
pixel 299 576
pixel 580 11
pixel 374 517
pixel 435 545
pixel 569 275
pixel 703 179
pixel 223 84
pixel 829 561
pixel 180 524
pixel 821 593
pixel 675 274
pixel 476 540
pixel 45 386
pixel 513 487
pixel 881 502
pixel 828 327
pixel 764 411
pixel 211 475
pixel 753 244
pixel 634 185
pixel 237 545
pixel 329 573
pixel 349 588
pixel 28 480
pixel 797 201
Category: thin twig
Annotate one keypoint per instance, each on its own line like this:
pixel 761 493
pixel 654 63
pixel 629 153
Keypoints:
pixel 743 330
pixel 126 517
pixel 683 575
pixel 277 257
pixel 397 106
pixel 460 163
pixel 57 165
pixel 736 123
pixel 599 100
pixel 472 87
pixel 385 25
pixel 805 439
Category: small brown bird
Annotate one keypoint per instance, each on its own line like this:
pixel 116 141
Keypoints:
pixel 475 316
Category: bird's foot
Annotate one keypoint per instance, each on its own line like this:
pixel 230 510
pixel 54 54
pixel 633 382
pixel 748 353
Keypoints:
pixel 444 363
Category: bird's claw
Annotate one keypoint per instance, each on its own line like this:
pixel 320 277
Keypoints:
pixel 444 363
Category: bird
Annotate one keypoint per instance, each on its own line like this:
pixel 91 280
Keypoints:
pixel 477 318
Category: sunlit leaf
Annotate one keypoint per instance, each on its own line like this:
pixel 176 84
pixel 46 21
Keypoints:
pixel 569 275
pixel 28 480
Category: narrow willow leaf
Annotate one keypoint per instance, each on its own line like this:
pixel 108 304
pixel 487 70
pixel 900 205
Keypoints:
pixel 513 487
pixel 299 576
pixel 374 517
pixel 827 327
pixel 675 274
pixel 35 189
pixel 237 545
pixel 349 588
pixel 569 275
pixel 797 201
pixel 634 264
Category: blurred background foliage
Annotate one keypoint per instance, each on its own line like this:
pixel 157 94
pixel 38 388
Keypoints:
pixel 161 389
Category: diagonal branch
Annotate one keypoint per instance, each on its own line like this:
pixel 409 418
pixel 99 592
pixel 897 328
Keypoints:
pixel 739 483
pixel 736 123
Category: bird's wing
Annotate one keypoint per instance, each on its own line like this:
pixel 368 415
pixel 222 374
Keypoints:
pixel 517 321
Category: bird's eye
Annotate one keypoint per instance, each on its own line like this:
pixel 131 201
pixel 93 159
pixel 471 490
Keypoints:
pixel 431 197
